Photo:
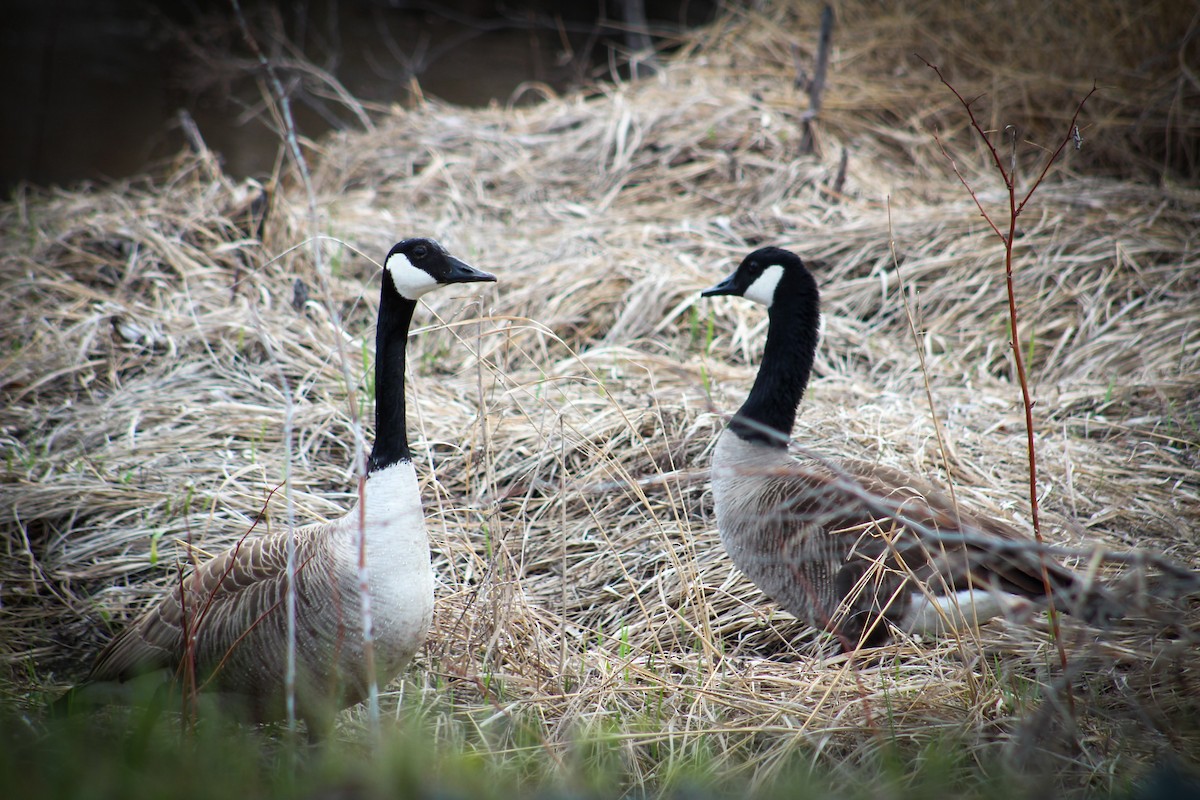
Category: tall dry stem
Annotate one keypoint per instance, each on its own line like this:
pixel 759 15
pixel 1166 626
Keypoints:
pixel 1009 176
pixel 279 99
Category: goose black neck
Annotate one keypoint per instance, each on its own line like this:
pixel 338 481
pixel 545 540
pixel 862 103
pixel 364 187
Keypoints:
pixel 391 339
pixel 769 412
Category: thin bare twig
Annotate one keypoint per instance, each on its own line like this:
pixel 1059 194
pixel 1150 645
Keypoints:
pixel 297 155
pixel 816 88
pixel 642 61
pixel 1014 212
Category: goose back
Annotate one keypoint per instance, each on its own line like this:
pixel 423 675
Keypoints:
pixel 233 607
pixel 802 531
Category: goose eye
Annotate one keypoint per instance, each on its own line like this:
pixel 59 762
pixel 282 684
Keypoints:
pixel 420 251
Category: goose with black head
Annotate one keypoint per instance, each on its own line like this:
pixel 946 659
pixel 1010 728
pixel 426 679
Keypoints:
pixel 850 547
pixel 232 607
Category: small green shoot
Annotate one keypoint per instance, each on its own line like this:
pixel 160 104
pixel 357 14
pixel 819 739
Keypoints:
pixel 155 538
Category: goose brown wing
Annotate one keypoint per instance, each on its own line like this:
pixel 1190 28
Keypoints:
pixel 978 550
pixel 227 594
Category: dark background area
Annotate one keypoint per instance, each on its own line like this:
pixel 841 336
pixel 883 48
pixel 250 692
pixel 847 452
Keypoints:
pixel 98 85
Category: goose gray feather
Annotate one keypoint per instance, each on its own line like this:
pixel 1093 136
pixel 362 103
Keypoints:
pixel 233 608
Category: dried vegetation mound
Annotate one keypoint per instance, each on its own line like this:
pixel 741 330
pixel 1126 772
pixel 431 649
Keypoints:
pixel 161 336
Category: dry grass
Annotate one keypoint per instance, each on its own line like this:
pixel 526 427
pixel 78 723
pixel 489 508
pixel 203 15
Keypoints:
pixel 564 417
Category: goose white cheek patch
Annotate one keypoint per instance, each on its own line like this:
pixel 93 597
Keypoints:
pixel 763 288
pixel 410 281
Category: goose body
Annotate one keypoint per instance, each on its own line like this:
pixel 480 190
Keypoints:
pixel 851 547
pixel 233 607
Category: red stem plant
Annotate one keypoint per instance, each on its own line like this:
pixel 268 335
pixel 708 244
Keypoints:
pixel 192 621
pixel 1015 207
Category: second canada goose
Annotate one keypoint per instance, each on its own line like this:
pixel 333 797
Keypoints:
pixel 232 607
pixel 850 547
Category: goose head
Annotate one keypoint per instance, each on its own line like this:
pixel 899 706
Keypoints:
pixel 767 275
pixel 777 279
pixel 418 265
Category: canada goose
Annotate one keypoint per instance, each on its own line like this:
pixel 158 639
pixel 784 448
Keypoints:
pixel 845 546
pixel 233 606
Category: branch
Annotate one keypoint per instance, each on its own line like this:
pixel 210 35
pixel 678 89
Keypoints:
pixel 982 211
pixel 817 86
pixel 1072 136
pixel 1008 179
pixel 1014 211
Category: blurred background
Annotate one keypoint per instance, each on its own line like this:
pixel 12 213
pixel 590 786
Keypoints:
pixel 97 86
